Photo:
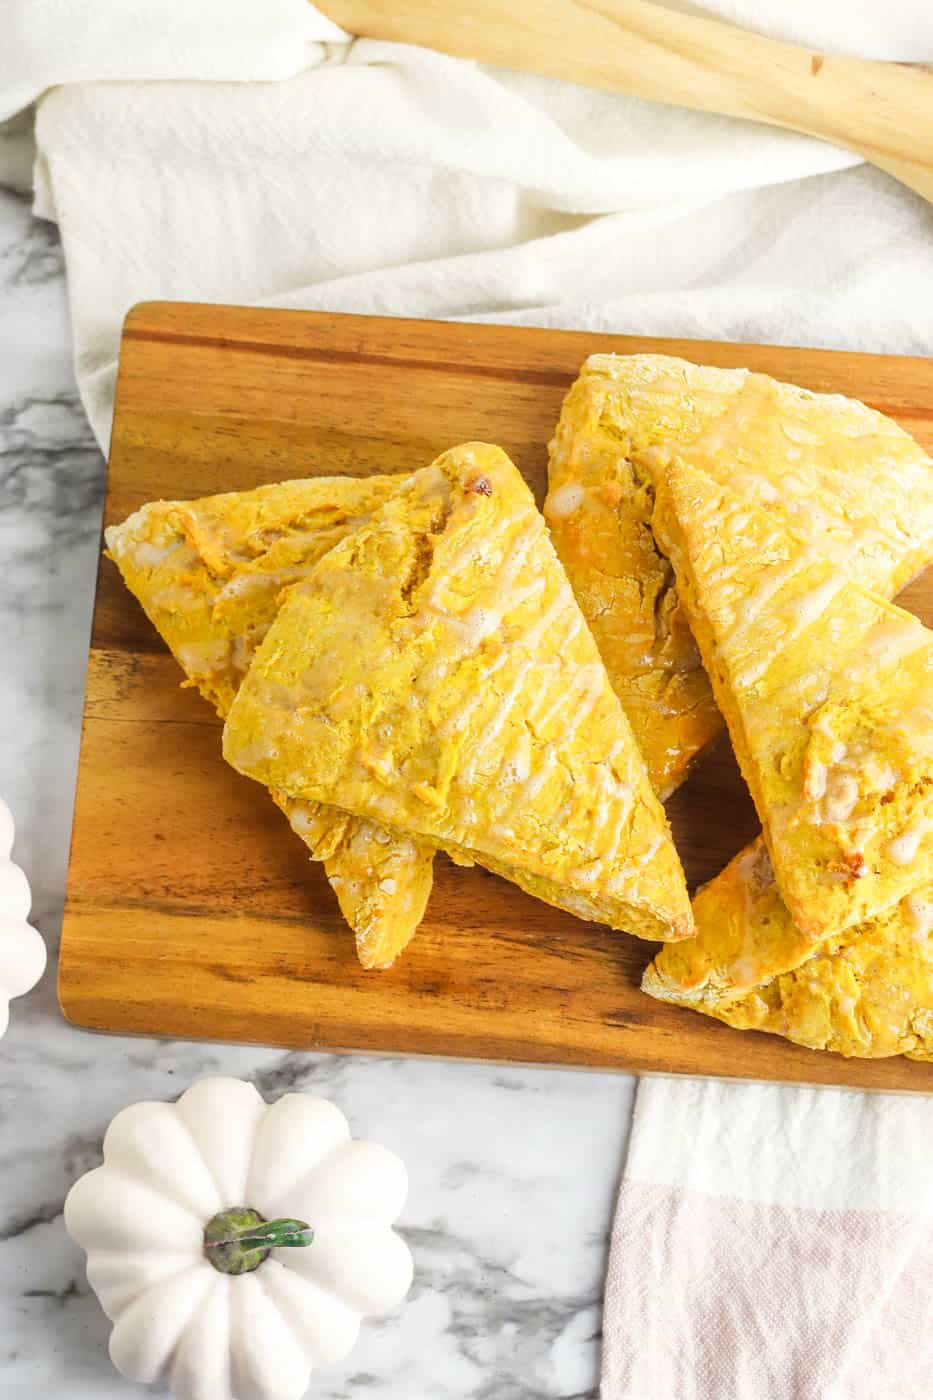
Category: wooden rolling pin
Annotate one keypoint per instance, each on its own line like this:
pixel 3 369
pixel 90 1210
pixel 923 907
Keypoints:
pixel 882 111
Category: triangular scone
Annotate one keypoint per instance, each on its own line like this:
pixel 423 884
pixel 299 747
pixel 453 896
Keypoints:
pixel 747 947
pixel 828 694
pixel 210 574
pixel 435 674
pixel 867 992
pixel 825 464
pixel 745 937
pixel 598 509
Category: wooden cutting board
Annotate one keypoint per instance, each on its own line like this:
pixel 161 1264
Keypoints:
pixel 192 910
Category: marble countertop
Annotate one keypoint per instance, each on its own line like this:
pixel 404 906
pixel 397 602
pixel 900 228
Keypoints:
pixel 513 1171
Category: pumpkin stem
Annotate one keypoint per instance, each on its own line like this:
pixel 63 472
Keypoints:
pixel 237 1241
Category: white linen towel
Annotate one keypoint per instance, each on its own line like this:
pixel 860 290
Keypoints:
pixel 770 1242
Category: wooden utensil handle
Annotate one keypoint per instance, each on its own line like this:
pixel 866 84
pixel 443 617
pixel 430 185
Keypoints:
pixel 882 111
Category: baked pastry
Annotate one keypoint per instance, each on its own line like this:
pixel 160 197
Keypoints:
pixel 745 936
pixel 828 694
pixel 867 992
pixel 598 509
pixel 210 575
pixel 435 674
pixel 826 465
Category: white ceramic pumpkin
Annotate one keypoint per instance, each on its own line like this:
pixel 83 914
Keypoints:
pixel 192 1229
pixel 22 951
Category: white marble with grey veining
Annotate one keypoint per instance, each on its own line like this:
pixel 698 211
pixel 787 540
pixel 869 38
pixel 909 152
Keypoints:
pixel 513 1171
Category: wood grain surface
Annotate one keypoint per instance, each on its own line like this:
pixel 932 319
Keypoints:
pixel 192 910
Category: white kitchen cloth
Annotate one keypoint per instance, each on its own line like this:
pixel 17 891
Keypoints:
pixel 47 43
pixel 388 178
pixel 385 179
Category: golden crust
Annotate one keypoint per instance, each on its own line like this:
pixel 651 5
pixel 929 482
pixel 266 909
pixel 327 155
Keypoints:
pixel 382 879
pixel 868 992
pixel 860 489
pixel 826 465
pixel 745 937
pixel 434 674
pixel 210 575
pixel 828 694
pixel 598 509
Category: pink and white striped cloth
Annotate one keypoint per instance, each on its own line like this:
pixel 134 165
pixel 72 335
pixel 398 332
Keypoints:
pixel 772 1244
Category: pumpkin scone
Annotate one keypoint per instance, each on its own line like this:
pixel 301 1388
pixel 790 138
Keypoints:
pixel 435 674
pixel 828 694
pixel 826 465
pixel 747 945
pixel 210 575
pixel 867 992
